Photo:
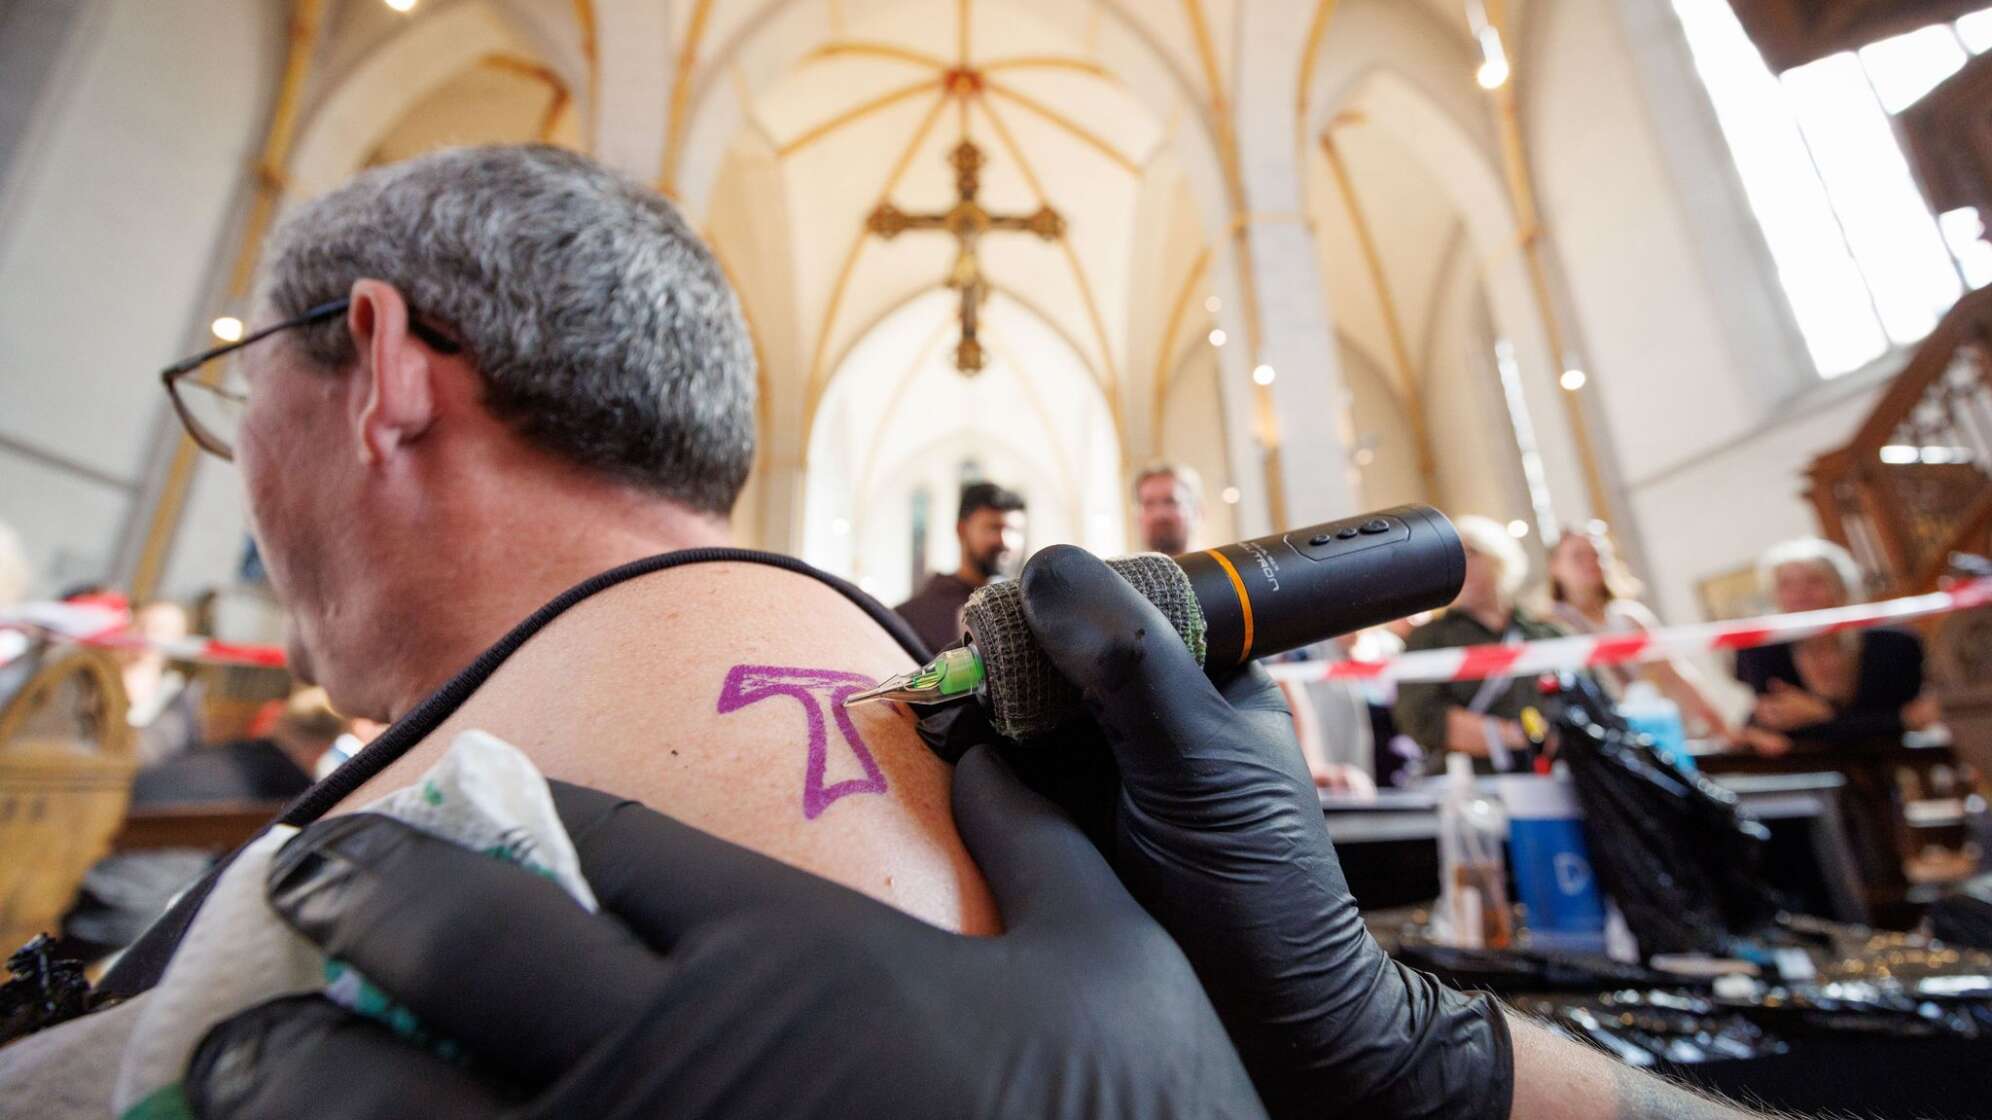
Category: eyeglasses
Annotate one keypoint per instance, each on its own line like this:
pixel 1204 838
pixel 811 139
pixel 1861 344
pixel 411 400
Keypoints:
pixel 212 415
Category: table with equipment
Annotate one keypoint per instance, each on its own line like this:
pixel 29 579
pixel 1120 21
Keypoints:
pixel 1843 1018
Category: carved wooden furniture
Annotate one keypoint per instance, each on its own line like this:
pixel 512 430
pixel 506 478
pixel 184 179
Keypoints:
pixel 67 757
pixel 1912 487
pixel 217 826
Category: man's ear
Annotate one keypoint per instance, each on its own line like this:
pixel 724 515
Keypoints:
pixel 398 400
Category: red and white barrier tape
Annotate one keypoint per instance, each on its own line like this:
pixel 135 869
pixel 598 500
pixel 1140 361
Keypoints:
pixel 1518 659
pixel 110 626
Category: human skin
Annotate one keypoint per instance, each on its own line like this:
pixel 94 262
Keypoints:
pixel 1165 513
pixel 645 720
pixel 407 529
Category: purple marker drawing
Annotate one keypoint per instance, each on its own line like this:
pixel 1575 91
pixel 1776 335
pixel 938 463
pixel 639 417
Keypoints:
pixel 812 688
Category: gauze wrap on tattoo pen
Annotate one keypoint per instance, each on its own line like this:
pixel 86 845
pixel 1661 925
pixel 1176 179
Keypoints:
pixel 1027 696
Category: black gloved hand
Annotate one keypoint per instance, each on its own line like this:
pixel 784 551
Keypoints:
pixel 1216 827
pixel 735 986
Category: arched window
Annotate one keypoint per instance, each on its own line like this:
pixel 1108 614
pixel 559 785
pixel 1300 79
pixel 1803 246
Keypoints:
pixel 1863 261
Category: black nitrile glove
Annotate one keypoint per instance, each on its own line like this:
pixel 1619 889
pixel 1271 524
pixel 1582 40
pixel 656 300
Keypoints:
pixel 735 986
pixel 1216 827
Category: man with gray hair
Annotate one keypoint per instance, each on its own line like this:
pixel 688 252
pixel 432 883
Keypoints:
pixel 498 408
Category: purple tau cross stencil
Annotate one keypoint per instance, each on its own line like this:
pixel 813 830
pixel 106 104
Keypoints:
pixel 812 688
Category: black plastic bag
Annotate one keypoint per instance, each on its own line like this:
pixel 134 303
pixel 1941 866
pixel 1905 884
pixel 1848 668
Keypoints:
pixel 1669 847
pixel 1964 916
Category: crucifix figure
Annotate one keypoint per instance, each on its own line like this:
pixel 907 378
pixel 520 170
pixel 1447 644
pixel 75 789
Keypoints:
pixel 967 221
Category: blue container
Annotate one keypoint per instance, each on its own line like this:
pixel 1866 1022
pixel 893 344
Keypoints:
pixel 1647 712
pixel 1552 864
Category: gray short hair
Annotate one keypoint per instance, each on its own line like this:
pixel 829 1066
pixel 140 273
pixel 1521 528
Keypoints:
pixel 604 329
pixel 1815 551
pixel 1491 539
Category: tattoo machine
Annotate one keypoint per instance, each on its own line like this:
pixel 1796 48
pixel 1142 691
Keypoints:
pixel 1230 604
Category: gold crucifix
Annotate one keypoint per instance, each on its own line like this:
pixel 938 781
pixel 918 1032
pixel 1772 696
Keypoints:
pixel 967 221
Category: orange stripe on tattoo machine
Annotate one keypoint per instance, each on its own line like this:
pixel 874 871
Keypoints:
pixel 1244 602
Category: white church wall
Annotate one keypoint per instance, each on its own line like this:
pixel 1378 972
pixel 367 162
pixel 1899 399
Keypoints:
pixel 1296 337
pixel 1192 432
pixel 1479 469
pixel 1716 513
pixel 109 239
pixel 751 230
pixel 1662 367
pixel 1712 406
pixel 1385 454
pixel 66 519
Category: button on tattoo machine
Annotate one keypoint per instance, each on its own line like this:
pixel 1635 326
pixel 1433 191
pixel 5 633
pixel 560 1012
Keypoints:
pixel 1230 604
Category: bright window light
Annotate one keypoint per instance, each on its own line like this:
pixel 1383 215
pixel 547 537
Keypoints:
pixel 1828 297
pixel 1890 227
pixel 1976 31
pixel 1857 251
pixel 1906 67
pixel 1964 232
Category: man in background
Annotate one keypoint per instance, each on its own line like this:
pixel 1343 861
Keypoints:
pixel 1168 507
pixel 164 703
pixel 1330 720
pixel 990 527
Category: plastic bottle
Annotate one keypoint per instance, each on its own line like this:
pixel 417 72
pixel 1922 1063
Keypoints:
pixel 1473 873
pixel 1650 713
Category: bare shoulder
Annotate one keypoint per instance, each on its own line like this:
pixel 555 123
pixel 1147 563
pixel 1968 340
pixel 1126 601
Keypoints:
pixel 713 693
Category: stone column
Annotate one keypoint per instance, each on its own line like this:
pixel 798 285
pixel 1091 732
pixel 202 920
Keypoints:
pixel 1301 418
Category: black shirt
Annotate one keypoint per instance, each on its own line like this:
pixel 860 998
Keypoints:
pixel 1890 675
pixel 245 770
pixel 934 612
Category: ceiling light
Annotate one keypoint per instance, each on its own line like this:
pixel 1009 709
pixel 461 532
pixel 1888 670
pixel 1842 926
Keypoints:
pixel 1518 528
pixel 400 5
pixel 1572 379
pixel 227 328
pixel 1598 527
pixel 1263 374
pixel 1217 336
pixel 1364 456
pixel 1493 59
pixel 1213 305
pixel 1231 495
